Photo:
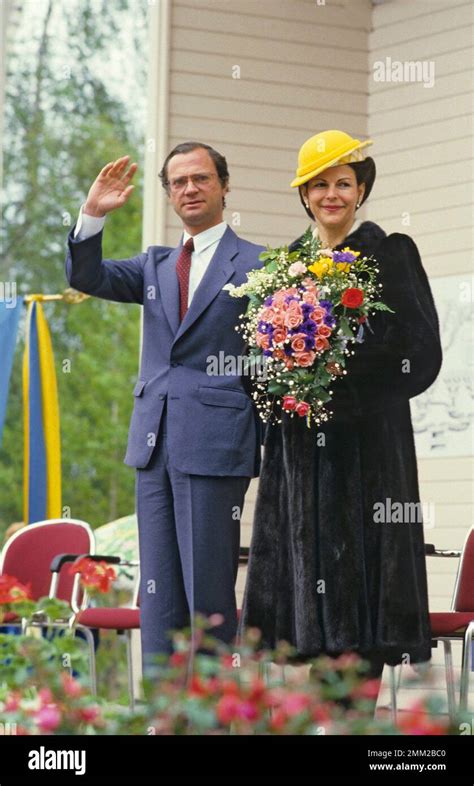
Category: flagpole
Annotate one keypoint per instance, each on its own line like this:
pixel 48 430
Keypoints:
pixel 69 296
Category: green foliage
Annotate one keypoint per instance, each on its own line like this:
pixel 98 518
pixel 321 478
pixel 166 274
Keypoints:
pixel 63 124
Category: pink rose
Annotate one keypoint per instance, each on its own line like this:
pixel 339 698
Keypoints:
pixel 278 319
pixel 266 314
pixel 289 403
pixel 297 268
pixel 263 340
pixel 318 314
pixel 289 363
pixel 324 330
pixel 310 297
pixel 298 342
pixel 321 344
pixel 278 299
pixel 305 358
pixel 294 306
pixel 302 409
pixel 279 335
pixel 278 354
pixel 293 320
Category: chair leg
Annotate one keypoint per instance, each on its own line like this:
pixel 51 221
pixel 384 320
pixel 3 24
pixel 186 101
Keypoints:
pixel 448 665
pixel 131 688
pixel 393 694
pixel 93 672
pixel 466 667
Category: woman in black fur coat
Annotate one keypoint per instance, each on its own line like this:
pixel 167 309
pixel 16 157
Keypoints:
pixel 325 572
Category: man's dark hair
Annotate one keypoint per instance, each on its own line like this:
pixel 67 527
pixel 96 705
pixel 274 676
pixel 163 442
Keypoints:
pixel 187 147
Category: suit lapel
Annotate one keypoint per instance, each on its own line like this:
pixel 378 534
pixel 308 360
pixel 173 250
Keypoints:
pixel 169 289
pixel 218 272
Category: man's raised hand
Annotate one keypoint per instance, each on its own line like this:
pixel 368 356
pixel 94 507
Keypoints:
pixel 111 188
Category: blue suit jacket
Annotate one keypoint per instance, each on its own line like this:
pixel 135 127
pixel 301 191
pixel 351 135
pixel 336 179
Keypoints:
pixel 212 424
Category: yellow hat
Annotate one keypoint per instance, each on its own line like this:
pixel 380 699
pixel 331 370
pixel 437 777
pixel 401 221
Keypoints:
pixel 329 148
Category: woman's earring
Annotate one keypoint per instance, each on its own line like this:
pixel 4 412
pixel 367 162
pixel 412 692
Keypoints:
pixel 358 204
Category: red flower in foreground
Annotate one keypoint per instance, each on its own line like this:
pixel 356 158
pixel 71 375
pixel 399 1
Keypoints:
pixel 94 575
pixel 48 717
pixel 352 297
pixel 418 721
pixel 13 591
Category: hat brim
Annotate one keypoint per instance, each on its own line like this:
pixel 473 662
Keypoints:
pixel 299 181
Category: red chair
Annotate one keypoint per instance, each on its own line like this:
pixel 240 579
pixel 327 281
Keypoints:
pixel 122 619
pixel 28 554
pixel 31 555
pixel 458 623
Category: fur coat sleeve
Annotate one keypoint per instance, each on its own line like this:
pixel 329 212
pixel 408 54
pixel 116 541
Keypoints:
pixel 400 356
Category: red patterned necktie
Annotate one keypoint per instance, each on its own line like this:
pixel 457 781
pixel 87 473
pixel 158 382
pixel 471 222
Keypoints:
pixel 183 266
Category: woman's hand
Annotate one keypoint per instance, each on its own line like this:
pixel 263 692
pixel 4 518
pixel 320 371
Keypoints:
pixel 111 188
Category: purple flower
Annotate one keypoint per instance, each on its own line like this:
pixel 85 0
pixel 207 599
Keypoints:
pixel 308 326
pixel 343 256
pixel 327 305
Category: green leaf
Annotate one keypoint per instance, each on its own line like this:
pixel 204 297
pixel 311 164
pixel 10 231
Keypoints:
pixel 378 306
pixel 346 328
pixel 277 388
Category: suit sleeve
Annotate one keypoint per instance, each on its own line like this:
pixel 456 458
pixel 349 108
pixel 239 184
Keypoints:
pixel 402 357
pixel 112 279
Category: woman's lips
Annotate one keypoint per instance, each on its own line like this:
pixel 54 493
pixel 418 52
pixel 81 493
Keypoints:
pixel 332 209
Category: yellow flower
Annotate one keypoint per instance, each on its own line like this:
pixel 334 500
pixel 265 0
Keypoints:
pixel 322 266
pixel 356 253
pixel 344 266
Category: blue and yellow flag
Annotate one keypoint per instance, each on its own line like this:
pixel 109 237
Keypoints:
pixel 10 311
pixel 42 443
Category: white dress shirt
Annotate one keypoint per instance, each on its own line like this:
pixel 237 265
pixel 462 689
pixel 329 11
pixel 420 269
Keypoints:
pixel 205 244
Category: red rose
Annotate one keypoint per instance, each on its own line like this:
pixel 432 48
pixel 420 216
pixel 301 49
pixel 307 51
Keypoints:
pixel 289 403
pixel 302 409
pixel 352 298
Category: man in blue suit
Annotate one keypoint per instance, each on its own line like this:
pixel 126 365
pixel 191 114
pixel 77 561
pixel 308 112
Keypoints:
pixel 194 434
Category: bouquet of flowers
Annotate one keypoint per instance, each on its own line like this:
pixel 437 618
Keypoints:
pixel 306 308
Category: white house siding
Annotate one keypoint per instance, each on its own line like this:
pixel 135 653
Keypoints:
pixel 423 149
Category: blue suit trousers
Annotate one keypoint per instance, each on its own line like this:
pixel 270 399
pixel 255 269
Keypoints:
pixel 189 540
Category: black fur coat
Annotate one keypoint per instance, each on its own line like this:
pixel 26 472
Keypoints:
pixel 323 574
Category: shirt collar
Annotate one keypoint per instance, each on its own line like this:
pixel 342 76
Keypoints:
pixel 205 239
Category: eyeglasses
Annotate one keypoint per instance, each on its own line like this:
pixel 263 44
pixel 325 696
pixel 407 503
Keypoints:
pixel 200 180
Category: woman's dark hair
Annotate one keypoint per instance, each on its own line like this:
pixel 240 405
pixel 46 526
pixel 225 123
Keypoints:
pixel 187 147
pixel 365 172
